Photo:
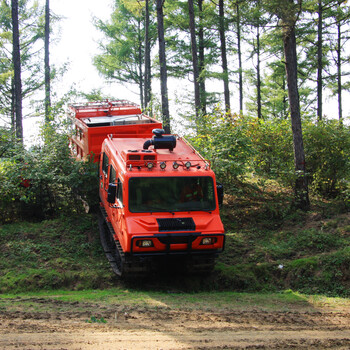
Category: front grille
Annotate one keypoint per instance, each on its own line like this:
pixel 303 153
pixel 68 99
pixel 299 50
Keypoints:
pixel 176 224
pixel 170 239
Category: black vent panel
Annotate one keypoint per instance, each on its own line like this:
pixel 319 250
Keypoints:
pixel 170 239
pixel 176 224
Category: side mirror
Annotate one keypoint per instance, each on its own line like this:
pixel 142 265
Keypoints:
pixel 220 192
pixel 111 194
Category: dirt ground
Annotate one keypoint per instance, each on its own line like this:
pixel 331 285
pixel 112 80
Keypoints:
pixel 54 324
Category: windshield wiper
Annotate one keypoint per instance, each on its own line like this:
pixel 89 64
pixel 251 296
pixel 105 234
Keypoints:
pixel 156 209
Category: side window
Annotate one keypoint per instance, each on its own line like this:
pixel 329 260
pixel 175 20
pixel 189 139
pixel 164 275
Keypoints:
pixel 120 191
pixel 105 164
pixel 112 175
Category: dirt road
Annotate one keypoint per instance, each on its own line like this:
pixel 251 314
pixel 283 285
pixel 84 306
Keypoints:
pixel 54 324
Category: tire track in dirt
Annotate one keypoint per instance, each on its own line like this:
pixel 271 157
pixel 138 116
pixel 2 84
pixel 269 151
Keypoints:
pixel 165 328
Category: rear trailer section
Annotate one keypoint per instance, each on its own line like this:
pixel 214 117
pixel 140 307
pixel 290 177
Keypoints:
pixel 93 121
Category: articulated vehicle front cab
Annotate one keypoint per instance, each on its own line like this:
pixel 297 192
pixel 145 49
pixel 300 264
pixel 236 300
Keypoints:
pixel 161 201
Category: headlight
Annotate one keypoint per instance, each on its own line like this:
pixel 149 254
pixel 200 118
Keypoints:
pixel 144 243
pixel 208 240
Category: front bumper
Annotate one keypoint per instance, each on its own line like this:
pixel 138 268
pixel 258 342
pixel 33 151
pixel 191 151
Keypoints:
pixel 188 243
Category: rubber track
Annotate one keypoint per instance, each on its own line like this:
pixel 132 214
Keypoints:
pixel 122 265
pixel 110 249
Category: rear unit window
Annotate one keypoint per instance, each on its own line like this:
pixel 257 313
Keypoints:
pixel 105 164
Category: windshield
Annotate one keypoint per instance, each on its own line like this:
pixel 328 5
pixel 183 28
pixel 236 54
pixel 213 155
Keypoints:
pixel 150 194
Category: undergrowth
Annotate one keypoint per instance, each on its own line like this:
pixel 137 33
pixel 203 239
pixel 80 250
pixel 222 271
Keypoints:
pixel 58 253
pixel 270 246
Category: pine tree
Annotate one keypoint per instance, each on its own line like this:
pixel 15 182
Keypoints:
pixel 288 12
pixel 255 17
pixel 47 63
pixel 340 15
pixel 163 67
pixel 16 54
pixel 148 74
pixel 222 29
pixel 6 69
pixel 197 99
pixel 201 58
pixel 180 62
pixel 123 50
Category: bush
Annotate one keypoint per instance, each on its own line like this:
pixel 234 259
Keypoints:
pixel 273 144
pixel 227 142
pixel 45 180
pixel 327 149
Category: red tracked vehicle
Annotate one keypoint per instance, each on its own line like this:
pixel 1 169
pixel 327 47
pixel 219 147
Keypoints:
pixel 159 197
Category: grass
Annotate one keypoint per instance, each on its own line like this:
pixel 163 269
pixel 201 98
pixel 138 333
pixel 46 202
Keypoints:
pixel 269 248
pixel 119 298
pixel 51 254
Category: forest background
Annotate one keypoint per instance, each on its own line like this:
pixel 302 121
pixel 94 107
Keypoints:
pixel 278 60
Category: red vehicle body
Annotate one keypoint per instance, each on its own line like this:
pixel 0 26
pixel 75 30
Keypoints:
pixel 95 120
pixel 159 196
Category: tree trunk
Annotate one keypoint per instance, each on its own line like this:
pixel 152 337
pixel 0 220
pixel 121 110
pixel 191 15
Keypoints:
pixel 258 77
pixel 339 80
pixel 258 61
pixel 201 63
pixel 13 108
pixel 240 70
pixel 197 100
pixel 289 42
pixel 285 102
pixel 17 71
pixel 319 61
pixel 224 55
pixel 147 58
pixel 163 68
pixel 47 63
pixel 140 62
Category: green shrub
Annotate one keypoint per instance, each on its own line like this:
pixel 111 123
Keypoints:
pixel 227 143
pixel 327 152
pixel 57 182
pixel 327 149
pixel 273 156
